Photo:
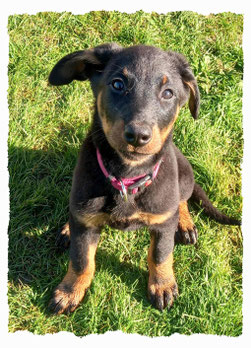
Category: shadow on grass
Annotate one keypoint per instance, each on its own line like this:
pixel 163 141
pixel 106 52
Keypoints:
pixel 40 183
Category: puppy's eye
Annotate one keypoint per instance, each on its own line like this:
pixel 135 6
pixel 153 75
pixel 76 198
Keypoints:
pixel 167 94
pixel 118 84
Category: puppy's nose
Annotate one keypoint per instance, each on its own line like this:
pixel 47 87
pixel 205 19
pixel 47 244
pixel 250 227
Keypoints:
pixel 137 135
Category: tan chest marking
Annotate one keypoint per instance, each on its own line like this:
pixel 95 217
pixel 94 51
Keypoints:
pixel 151 219
pixel 94 220
pixel 101 219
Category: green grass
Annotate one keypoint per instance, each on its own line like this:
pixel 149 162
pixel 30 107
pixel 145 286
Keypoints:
pixel 47 126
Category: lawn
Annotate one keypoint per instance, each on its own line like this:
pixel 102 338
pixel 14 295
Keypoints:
pixel 47 126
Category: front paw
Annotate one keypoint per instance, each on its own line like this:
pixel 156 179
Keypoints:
pixel 162 294
pixel 70 292
pixel 65 300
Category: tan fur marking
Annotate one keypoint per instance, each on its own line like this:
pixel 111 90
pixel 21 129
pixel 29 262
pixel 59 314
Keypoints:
pixel 161 276
pixel 164 80
pixel 133 163
pixel 99 103
pixel 125 71
pixel 163 270
pixel 105 123
pixel 94 220
pixel 192 95
pixel 166 131
pixel 151 219
pixel 66 230
pixel 77 283
pixel 106 126
pixel 190 86
pixel 185 220
pixel 100 219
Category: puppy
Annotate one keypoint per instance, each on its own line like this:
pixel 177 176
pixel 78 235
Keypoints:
pixel 129 173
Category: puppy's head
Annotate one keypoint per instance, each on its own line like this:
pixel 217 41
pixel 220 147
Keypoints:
pixel 139 91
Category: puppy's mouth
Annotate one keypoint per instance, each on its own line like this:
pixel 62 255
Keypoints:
pixel 134 153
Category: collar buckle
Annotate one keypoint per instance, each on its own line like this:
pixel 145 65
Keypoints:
pixel 123 192
pixel 138 184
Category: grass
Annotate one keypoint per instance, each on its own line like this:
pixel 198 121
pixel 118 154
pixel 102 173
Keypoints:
pixel 47 126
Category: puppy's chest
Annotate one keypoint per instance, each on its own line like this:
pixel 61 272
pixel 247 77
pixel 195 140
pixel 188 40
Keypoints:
pixel 155 205
pixel 141 212
pixel 130 214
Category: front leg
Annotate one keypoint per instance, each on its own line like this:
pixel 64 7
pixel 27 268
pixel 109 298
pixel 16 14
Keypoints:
pixel 162 287
pixel 72 289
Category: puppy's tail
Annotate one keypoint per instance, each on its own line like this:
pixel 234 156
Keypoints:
pixel 200 196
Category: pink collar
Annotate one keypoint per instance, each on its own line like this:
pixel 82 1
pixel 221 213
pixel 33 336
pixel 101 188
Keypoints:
pixel 129 185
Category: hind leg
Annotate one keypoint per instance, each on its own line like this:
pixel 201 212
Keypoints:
pixel 187 232
pixel 63 237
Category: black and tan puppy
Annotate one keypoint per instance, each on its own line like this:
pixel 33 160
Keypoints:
pixel 129 173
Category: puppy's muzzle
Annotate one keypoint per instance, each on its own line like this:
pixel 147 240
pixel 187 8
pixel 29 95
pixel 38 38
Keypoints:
pixel 137 134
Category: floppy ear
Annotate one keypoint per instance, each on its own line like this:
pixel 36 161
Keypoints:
pixel 190 84
pixel 81 65
pixel 194 99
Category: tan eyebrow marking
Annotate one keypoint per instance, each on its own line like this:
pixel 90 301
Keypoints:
pixel 125 71
pixel 164 80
